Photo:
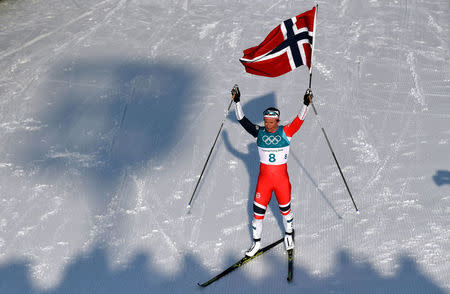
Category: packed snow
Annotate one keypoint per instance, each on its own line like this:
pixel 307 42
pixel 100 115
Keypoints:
pixel 109 109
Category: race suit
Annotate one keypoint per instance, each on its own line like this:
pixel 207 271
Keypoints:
pixel 273 151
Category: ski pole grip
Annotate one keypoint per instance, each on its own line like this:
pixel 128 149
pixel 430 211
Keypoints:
pixel 235 89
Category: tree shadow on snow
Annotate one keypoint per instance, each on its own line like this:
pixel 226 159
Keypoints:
pixel 91 273
pixel 442 177
pixel 96 117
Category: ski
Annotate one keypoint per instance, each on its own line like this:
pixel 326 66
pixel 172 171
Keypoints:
pixel 290 264
pixel 240 263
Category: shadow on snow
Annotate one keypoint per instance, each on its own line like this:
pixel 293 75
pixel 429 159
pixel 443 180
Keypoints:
pixel 91 274
pixel 442 177
pixel 97 117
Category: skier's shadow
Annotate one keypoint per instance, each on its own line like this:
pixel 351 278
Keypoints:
pixel 251 160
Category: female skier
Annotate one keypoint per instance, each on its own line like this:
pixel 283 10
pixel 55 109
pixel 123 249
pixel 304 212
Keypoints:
pixel 273 142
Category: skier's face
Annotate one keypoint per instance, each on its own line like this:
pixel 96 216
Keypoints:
pixel 271 124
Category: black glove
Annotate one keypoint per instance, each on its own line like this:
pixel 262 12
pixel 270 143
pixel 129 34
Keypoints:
pixel 308 97
pixel 235 94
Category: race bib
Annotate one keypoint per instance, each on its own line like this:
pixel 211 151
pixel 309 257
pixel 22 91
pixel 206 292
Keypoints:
pixel 273 156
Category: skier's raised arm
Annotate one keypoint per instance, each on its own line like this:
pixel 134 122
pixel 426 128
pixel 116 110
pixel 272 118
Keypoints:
pixel 295 125
pixel 250 127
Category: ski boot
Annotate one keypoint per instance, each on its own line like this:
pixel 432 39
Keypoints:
pixel 289 241
pixel 255 248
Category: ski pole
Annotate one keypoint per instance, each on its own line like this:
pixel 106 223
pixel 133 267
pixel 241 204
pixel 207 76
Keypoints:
pixel 334 156
pixel 329 145
pixel 209 155
pixel 318 118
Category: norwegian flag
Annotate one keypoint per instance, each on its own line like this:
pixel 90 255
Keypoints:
pixel 287 47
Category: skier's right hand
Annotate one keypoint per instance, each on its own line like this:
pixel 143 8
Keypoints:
pixel 235 94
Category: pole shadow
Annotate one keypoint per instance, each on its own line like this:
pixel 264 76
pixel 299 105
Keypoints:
pixel 321 193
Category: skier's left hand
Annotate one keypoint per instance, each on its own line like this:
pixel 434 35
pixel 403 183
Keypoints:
pixel 308 97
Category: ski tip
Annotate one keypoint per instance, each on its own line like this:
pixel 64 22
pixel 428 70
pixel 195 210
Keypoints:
pixel 201 285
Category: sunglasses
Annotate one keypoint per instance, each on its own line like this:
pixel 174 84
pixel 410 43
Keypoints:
pixel 271 112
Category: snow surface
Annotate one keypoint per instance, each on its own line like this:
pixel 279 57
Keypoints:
pixel 109 108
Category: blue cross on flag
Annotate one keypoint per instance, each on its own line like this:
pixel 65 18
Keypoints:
pixel 287 47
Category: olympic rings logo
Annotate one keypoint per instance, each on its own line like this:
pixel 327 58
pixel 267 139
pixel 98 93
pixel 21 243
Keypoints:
pixel 269 140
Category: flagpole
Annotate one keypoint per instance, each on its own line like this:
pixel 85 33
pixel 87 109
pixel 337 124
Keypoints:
pixel 313 44
pixel 317 115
